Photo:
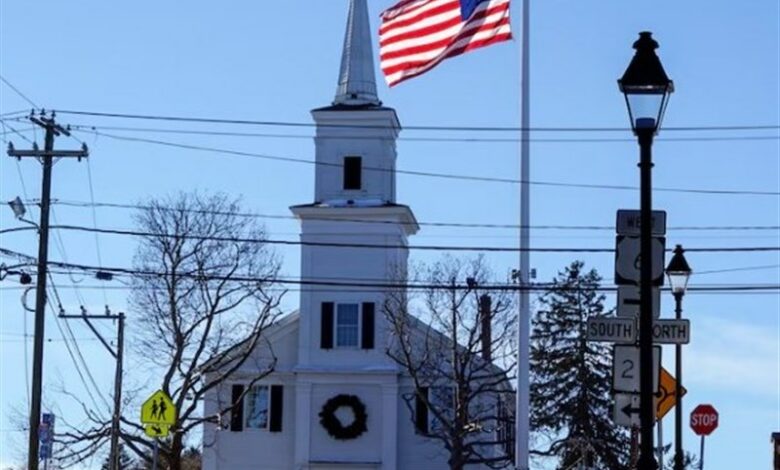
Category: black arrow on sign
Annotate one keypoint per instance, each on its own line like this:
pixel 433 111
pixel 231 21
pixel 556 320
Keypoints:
pixel 157 429
pixel 628 410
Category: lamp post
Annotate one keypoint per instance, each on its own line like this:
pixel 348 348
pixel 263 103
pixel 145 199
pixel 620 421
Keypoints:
pixel 646 88
pixel 678 273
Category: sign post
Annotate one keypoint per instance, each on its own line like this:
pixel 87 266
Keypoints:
pixel 158 414
pixel 704 420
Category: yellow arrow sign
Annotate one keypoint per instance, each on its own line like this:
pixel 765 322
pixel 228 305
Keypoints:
pixel 157 430
pixel 158 409
pixel 666 394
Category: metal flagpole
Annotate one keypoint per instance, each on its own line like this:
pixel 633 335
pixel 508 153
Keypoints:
pixel 524 323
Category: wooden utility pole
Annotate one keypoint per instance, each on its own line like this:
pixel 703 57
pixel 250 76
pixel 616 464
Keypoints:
pixel 113 458
pixel 46 157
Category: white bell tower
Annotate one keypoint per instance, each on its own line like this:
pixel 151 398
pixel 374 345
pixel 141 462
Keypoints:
pixel 354 204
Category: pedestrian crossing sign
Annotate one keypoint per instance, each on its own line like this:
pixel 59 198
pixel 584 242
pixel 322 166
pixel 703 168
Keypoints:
pixel 157 430
pixel 158 409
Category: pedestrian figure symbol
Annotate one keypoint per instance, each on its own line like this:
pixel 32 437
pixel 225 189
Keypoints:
pixel 158 409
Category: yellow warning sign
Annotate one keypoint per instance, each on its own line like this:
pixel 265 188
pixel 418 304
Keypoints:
pixel 158 409
pixel 666 394
pixel 157 430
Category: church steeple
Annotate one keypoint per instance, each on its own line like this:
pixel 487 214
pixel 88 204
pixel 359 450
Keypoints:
pixel 357 83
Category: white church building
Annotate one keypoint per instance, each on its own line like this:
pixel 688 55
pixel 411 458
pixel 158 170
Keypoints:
pixel 331 353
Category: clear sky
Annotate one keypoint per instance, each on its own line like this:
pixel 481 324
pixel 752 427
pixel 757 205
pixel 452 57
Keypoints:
pixel 274 61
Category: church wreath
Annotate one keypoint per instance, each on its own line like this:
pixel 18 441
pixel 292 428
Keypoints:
pixel 331 423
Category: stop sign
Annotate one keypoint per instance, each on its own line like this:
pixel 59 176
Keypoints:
pixel 704 420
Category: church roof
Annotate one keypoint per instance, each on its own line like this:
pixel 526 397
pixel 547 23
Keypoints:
pixel 357 83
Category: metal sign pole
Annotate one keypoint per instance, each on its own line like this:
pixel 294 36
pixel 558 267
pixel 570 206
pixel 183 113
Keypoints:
pixel 154 454
pixel 660 444
pixel 701 454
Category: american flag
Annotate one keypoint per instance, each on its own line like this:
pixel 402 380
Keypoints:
pixel 416 35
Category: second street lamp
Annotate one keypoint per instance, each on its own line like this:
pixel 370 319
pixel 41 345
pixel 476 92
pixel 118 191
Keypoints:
pixel 678 272
pixel 646 88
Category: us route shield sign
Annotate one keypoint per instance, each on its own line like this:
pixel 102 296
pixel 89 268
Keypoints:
pixel 158 409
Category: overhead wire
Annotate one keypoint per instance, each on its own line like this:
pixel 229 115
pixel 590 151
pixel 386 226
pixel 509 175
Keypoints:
pixel 71 354
pixel 92 127
pixel 420 223
pixel 393 246
pixel 18 92
pixel 362 284
pixel 408 127
pixel 430 174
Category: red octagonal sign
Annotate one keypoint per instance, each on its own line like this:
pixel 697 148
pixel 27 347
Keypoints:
pixel 704 420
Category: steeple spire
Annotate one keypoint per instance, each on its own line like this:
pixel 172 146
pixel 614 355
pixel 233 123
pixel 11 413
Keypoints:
pixel 357 84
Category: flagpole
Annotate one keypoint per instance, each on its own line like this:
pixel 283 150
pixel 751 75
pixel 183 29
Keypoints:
pixel 522 417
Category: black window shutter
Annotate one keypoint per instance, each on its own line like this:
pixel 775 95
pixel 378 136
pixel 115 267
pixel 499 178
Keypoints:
pixel 326 326
pixel 368 326
pixel 237 415
pixel 352 172
pixel 277 405
pixel 421 412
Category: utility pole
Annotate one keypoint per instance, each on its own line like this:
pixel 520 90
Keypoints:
pixel 46 157
pixel 113 459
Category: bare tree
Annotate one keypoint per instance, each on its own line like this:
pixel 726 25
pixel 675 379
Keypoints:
pixel 458 351
pixel 202 295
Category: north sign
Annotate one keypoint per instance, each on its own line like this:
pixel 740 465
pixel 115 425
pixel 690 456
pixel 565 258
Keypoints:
pixel 628 259
pixel 629 222
pixel 625 369
pixel 671 331
pixel 613 330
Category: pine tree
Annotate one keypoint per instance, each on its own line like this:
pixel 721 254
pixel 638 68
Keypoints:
pixel 571 400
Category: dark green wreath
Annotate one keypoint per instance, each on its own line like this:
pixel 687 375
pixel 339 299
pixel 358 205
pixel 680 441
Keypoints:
pixel 331 423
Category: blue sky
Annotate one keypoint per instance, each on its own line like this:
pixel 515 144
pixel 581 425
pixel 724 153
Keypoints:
pixel 274 61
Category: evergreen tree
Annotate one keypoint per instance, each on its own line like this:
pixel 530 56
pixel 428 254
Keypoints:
pixel 571 400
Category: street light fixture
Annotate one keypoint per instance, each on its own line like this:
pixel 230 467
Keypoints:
pixel 646 88
pixel 678 272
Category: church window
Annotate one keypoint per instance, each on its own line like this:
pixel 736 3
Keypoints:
pixel 347 325
pixel 352 172
pixel 442 399
pixel 257 404
pixel 262 407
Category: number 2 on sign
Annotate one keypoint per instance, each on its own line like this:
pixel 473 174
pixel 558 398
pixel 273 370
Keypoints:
pixel 628 371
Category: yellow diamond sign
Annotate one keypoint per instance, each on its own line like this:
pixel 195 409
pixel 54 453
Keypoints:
pixel 158 409
pixel 666 394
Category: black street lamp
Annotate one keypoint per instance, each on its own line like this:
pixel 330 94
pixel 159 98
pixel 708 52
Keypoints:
pixel 646 88
pixel 678 272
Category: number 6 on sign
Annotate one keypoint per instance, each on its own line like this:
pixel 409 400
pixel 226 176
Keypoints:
pixel 625 369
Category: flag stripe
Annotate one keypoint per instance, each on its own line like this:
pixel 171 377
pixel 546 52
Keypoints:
pixel 422 58
pixel 440 38
pixel 417 35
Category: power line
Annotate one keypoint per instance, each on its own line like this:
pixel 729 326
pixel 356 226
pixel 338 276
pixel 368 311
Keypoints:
pixel 16 90
pixel 416 127
pixel 536 287
pixel 430 174
pixel 512 140
pixel 393 222
pixel 388 246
